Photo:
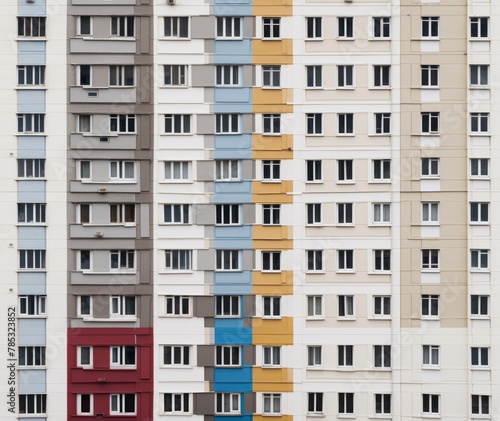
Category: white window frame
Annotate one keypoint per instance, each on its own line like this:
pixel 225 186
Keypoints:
pixel 118 171
pixel 118 356
pixel 227 75
pixel 123 123
pixel 381 27
pixel 31 123
pixel 228 356
pixel 346 307
pixel 430 260
pixel 271 404
pixel 79 311
pixel 314 28
pixel 271 124
pixel 175 75
pixel 429 76
pixel 32 305
pixel 314 171
pixel 122 260
pixel 176 214
pixel 480 260
pixel 479 357
pixel 32 213
pixel 178 124
pixel 231 400
pixel 345 214
pixel 79 410
pixel 228 214
pixel 480 406
pixel 383 403
pixel 32 260
pixel 382 170
pixel 84 123
pixel 227 306
pixel 38 403
pixel 117 404
pixel 345 261
pixel 228 260
pixel 429 168
pixel 382 356
pixel 314 77
pixel 271 307
pixel 479 306
pixel 381 76
pixel 315 307
pixel 271 171
pixel 229 27
pixel 315 403
pixel 314 214
pixel 84 167
pixel 382 213
pixel 31 356
pixel 382 124
pixel 345 76
pixel 346 401
pixel 479 123
pixel 345 171
pixel 180 260
pixel 119 76
pixel 383 309
pixel 79 26
pixel 430 213
pixel 177 171
pixel 31 75
pixel 123 26
pixel 480 168
pixel 271 214
pixel 271 356
pixel 430 306
pixel 79 361
pixel 384 257
pixel 176 27
pixel 226 123
pixel 479 28
pixel 314 124
pixel 430 123
pixel 314 356
pixel 430 27
pixel 271 25
pixel 180 404
pixel 271 77
pixel 315 261
pixel 176 356
pixel 479 213
pixel 122 213
pixel 345 124
pixel 479 75
pixel 429 403
pixel 345 28
pixel 118 306
pixel 345 356
pixel 431 356
pixel 227 170
pixel 175 306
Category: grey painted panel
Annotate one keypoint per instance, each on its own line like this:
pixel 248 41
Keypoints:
pixel 145 267
pixel 104 95
pixel 94 143
pixel 144 175
pixel 78 45
pixel 205 355
pixel 31 101
pixel 248 306
pixel 248 76
pixel 202 27
pixel 31 191
pixel 203 75
pixel 118 231
pixel 249 27
pixel 209 97
pixel 101 26
pixel 143 23
pixel 208 143
pixel 144 220
pixel 205 170
pixel 248 125
pixel 204 306
pixel 208 279
pixel 204 214
pixel 100 77
pixel 31 332
pixel 206 260
pixel 118 279
pixel 100 304
pixel 248 213
pixel 209 322
pixel 107 3
pixel 247 260
pixel 31 52
pixel 32 283
pixel 249 355
pixel 145 130
pixel 203 403
pixel 32 9
pixel 32 381
pixel 100 124
pixel 250 402
pixel 31 237
pixel 32 419
pixel 247 170
pixel 210 47
pixel 31 147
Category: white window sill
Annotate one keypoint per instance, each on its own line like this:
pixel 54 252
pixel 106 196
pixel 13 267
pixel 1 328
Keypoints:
pixel 31 367
pixel 430 271
pixel 317 415
pixel 382 181
pixel 174 271
pixel 429 177
pixel 480 87
pixel 314 182
pixel 183 367
pixel 430 318
pixel 315 272
pixel 174 86
pixel 122 367
pixel 380 272
pixel 175 134
pixel 346 88
pixel 379 224
pixel 379 39
pixel 380 88
pixel 479 317
pixel 345 416
pixel 428 134
pixel 476 270
pixel 31 87
pixel 271 181
pixel 429 224
pixel 164 38
pixel 176 181
pixel 346 135
pixel 314 134
pixel 271 415
pixel 340 225
pixel 346 318
pixel 314 88
pixel 388 134
pixel 480 134
pixel 380 317
pixel 480 178
pixel 347 182
pixel 315 368
pixel 271 317
pixel 271 366
pixel 318 225
pixel 32 316
pixel 431 367
pixel 435 416
pixel 480 368
pixel 345 38
pixel 315 319
pixel 346 271
pixel 110 319
pixel 177 316
pixel 314 39
pixel 232 316
pixel 429 87
pixel 272 88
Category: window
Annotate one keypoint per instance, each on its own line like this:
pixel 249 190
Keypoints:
pixel 84 170
pixel 176 355
pixel 345 214
pixel 176 214
pixel 313 213
pixel 122 305
pixel 178 259
pixel 271 403
pixel 122 123
pixel 177 305
pixel 33 404
pixel 271 261
pixel 123 403
pixel 228 27
pixel 272 356
pixel 122 355
pixel 271 124
pixel 84 404
pixel 314 123
pixel 430 123
pixel 122 213
pixel 430 404
pixel 271 307
pixel 84 304
pixel 176 403
pixel 270 28
pixel 430 355
pixel 84 123
pixel 479 259
pixel 313 170
pixel 381 76
pixel 84 75
pixel 31 26
pixel 227 305
pixel 227 123
pixel 345 170
pixel 31 213
pixel 345 124
pixel 271 76
pixel 479 357
pixel 430 306
pixel 227 170
pixel 175 75
pixel 430 212
pixel 122 26
pixel 32 305
pixel 227 403
pixel 314 28
pixel 479 212
pixel 314 356
pixel 479 305
pixel 315 307
pixel 381 306
pixel 30 123
pixel 227 260
pixel 271 214
pixel 177 124
pixel 430 27
pixel 227 355
pixel 382 260
pixel 314 76
pixel 176 27
pixel 480 404
pixel 346 306
pixel 31 259
pixel 381 27
pixel 227 75
pixel 429 167
pixel 31 356
pixel 479 167
pixel 227 214
pixel 430 260
pixel 430 76
pixel 479 75
pixel 382 356
pixel 315 403
pixel 346 403
pixel 84 25
pixel 122 259
pixel 479 27
pixel 479 123
pixel 121 76
pixel 345 355
pixel 314 260
pixel 84 356
pixel 345 260
pixel 177 170
pixel 345 27
pixel 271 170
pixel 381 213
pixel 345 76
pixel 30 75
pixel 383 123
pixel 382 403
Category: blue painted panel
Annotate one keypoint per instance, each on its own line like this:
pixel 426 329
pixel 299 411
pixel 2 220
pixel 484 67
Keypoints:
pixel 31 147
pixel 31 52
pixel 32 381
pixel 233 8
pixel 32 9
pixel 236 232
pixel 242 188
pixel 233 417
pixel 235 142
pixel 31 191
pixel 233 52
pixel 31 332
pixel 233 244
pixel 233 289
pixel 233 107
pixel 232 198
pixel 235 95
pixel 232 154
pixel 233 335
pixel 31 101
pixel 32 419
pixel 31 237
pixel 233 278
pixel 233 379
pixel 32 283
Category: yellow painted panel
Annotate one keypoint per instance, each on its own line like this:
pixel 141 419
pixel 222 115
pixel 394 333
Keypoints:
pixel 272 52
pixel 282 144
pixel 272 379
pixel 275 8
pixel 256 417
pixel 272 283
pixel 272 100
pixel 272 192
pixel 272 332
pixel 273 244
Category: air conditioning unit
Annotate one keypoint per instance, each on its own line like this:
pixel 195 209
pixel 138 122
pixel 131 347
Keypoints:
pixel 30 1
pixel 103 190
pixel 98 234
pixel 93 94
pixel 171 2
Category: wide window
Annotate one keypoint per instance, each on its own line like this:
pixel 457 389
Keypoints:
pixel 176 355
pixel 227 305
pixel 122 305
pixel 177 170
pixel 227 75
pixel 122 213
pixel 228 27
pixel 227 355
pixel 227 260
pixel 227 123
pixel 31 26
pixel 32 404
pixel 31 259
pixel 227 170
pixel 176 403
pixel 122 356
pixel 122 26
pixel 30 75
pixel 176 214
pixel 32 305
pixel 177 124
pixel 122 123
pixel 176 27
pixel 31 213
pixel 227 403
pixel 123 403
pixel 227 214
pixel 178 259
pixel 175 75
pixel 30 123
pixel 122 259
pixel 121 76
pixel 31 356
pixel 177 305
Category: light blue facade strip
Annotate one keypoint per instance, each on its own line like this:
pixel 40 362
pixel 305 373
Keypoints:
pixel 241 190
pixel 32 381
pixel 32 283
pixel 238 234
pixel 32 419
pixel 38 8
pixel 233 335
pixel 235 142
pixel 232 154
pixel 233 95
pixel 31 191
pixel 31 147
pixel 33 238
pixel 233 379
pixel 31 101
pixel 31 52
pixel 233 52
pixel 232 107
pixel 233 244
pixel 32 332
pixel 233 278
pixel 233 8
